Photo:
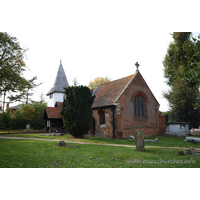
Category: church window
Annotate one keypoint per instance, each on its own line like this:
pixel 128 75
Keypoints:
pixel 51 96
pixel 48 123
pixel 139 106
pixel 101 117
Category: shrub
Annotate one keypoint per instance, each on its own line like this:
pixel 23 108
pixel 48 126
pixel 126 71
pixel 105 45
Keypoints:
pixel 77 110
pixel 5 119
pixel 27 114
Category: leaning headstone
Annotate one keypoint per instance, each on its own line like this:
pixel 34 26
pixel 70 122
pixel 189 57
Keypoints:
pixel 139 140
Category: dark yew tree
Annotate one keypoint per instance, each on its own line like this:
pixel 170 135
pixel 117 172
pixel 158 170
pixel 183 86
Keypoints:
pixel 77 110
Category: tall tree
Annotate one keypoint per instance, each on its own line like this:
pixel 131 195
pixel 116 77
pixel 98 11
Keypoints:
pixel 193 71
pixel 97 81
pixel 184 102
pixel 181 68
pixel 176 59
pixel 26 92
pixel 77 110
pixel 11 65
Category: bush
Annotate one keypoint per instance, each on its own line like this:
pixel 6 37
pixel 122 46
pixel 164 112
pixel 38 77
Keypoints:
pixel 27 114
pixel 17 123
pixel 77 110
pixel 5 119
pixel 37 124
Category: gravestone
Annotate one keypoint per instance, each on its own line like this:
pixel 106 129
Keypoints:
pixel 28 128
pixel 62 143
pixel 139 140
pixel 180 153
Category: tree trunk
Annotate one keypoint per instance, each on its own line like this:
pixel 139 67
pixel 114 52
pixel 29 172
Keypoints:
pixel 4 98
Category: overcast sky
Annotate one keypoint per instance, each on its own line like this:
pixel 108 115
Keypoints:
pixel 94 38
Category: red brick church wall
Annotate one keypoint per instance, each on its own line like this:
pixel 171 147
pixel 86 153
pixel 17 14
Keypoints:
pixel 130 124
pixel 105 130
pixel 162 125
pixel 126 123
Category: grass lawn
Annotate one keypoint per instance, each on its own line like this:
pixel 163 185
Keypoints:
pixel 163 141
pixel 47 154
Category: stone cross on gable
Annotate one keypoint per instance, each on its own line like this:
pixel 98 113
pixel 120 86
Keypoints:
pixel 137 65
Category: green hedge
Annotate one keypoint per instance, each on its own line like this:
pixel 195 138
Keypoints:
pixel 27 114
pixel 18 123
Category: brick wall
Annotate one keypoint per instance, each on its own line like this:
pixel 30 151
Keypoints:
pixel 129 124
pixel 162 125
pixel 105 130
pixel 126 123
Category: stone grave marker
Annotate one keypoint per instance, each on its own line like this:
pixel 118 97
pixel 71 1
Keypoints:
pixel 139 140
pixel 28 128
pixel 62 143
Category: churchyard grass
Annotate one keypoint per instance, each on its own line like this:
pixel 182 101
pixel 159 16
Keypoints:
pixel 47 154
pixel 7 130
pixel 164 141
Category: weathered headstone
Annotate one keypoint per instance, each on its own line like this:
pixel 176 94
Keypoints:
pixel 139 140
pixel 28 128
pixel 180 153
pixel 62 143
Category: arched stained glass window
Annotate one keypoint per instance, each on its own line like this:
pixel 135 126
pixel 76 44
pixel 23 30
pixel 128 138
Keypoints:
pixel 139 106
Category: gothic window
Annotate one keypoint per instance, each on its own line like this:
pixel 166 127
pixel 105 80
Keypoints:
pixel 101 117
pixel 140 106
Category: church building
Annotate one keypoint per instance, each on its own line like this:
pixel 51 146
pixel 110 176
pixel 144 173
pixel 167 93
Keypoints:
pixel 123 106
pixel 120 107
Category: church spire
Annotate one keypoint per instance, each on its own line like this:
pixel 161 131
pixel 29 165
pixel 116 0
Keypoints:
pixel 60 81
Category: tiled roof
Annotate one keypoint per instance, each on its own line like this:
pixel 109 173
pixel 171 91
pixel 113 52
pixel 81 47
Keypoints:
pixel 60 81
pixel 53 112
pixel 107 93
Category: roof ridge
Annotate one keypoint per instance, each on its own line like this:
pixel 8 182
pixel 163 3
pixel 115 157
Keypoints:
pixel 96 89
